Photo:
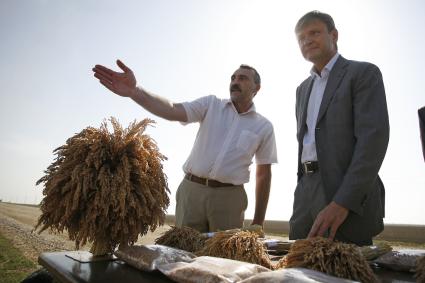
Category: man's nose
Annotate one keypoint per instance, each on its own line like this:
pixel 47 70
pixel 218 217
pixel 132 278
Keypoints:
pixel 306 41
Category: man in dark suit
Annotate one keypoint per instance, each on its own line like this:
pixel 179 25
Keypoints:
pixel 421 113
pixel 343 133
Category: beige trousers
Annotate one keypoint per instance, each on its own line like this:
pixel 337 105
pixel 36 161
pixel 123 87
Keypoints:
pixel 208 209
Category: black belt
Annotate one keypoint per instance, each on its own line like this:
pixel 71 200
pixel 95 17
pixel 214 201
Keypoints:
pixel 310 167
pixel 206 182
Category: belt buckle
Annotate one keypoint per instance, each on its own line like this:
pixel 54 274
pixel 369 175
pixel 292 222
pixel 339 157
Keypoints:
pixel 306 170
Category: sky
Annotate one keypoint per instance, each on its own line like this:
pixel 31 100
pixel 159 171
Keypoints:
pixel 186 49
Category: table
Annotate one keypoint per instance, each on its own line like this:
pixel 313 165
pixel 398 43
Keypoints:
pixel 390 276
pixel 66 269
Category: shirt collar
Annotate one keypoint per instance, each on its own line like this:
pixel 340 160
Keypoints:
pixel 327 69
pixel 229 102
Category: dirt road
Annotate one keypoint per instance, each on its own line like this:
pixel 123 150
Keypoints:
pixel 17 223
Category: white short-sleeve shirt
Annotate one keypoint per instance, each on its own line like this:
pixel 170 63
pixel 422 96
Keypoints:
pixel 227 140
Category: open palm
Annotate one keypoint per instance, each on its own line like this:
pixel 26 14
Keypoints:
pixel 121 83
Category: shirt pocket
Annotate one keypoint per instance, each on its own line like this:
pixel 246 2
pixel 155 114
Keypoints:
pixel 248 142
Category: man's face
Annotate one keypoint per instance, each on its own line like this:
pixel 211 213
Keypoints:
pixel 316 43
pixel 242 85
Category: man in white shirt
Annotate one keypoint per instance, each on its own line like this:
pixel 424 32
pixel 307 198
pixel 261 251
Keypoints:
pixel 211 196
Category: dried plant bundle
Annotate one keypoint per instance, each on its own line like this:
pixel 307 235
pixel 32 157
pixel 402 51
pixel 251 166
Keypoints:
pixel 420 270
pixel 184 238
pixel 374 251
pixel 242 246
pixel 105 187
pixel 330 257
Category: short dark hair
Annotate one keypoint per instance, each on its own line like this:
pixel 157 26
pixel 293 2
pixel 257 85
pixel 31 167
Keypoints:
pixel 257 78
pixel 316 15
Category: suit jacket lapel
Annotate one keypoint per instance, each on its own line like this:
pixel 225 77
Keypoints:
pixel 335 77
pixel 421 113
pixel 305 97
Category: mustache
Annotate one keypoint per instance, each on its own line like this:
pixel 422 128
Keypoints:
pixel 235 87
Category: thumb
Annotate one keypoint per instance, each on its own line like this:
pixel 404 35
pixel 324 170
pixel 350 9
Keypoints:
pixel 123 66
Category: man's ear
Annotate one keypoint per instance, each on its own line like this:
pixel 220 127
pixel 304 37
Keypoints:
pixel 334 34
pixel 257 88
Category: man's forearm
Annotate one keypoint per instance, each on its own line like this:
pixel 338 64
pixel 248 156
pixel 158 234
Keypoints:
pixel 158 105
pixel 262 192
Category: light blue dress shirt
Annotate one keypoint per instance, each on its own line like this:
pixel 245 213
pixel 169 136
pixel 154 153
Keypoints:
pixel 317 91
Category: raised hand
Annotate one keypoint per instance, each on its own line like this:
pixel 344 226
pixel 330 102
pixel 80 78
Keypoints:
pixel 123 84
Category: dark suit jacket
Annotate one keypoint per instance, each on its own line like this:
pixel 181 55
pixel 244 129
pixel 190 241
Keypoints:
pixel 421 113
pixel 352 134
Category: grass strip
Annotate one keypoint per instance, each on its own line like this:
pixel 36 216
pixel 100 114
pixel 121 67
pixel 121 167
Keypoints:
pixel 13 265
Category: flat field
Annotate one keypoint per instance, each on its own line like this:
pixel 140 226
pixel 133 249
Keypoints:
pixel 17 224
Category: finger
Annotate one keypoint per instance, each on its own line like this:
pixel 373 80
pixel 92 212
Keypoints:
pixel 323 229
pixel 333 230
pixel 335 226
pixel 123 66
pixel 314 229
pixel 103 69
pixel 102 76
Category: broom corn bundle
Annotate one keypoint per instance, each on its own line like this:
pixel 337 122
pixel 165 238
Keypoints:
pixel 184 238
pixel 372 252
pixel 330 257
pixel 242 246
pixel 105 187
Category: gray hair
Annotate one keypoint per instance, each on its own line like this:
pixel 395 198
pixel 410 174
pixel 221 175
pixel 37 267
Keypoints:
pixel 257 78
pixel 316 15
